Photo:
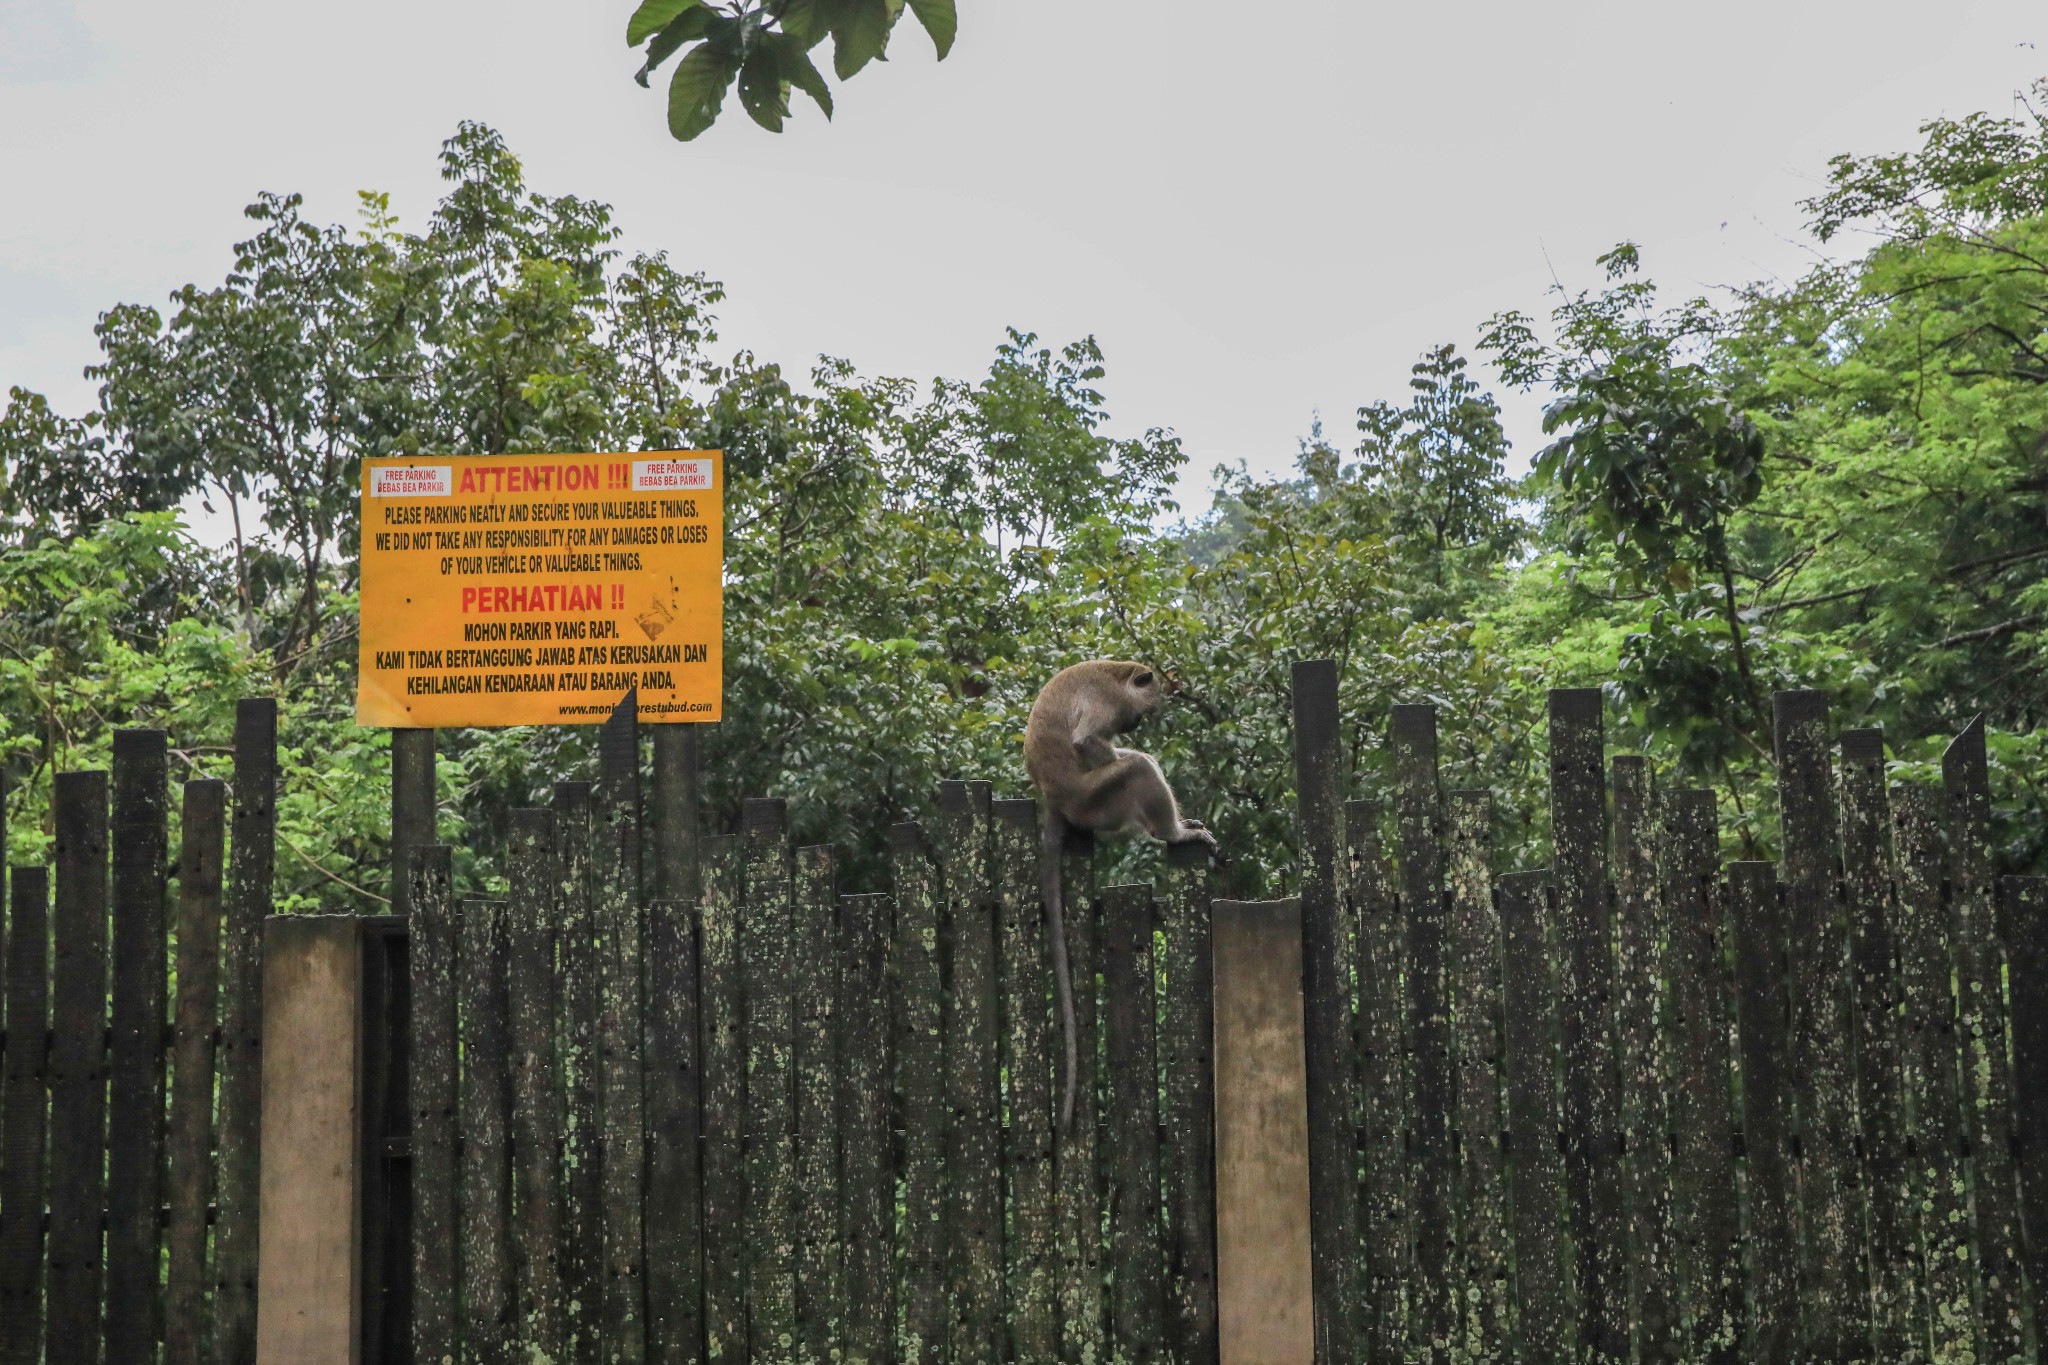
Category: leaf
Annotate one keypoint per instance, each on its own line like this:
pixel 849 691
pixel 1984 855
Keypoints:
pixel 807 21
pixel 653 16
pixel 860 36
pixel 763 93
pixel 691 24
pixel 940 20
pixel 697 91
pixel 798 70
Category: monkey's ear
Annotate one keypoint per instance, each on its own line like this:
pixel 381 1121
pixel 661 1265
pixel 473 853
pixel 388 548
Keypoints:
pixel 1143 679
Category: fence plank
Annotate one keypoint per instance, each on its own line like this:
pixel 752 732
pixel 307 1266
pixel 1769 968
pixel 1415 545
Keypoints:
pixel 1578 812
pixel 1834 1292
pixel 1764 1018
pixel 1326 1004
pixel 1987 1074
pixel 722 1027
pixel 430 955
pixel 485 1101
pixel 1475 966
pixel 23 1118
pixel 920 1061
pixel 1704 1208
pixel 676 836
pixel 1028 1063
pixel 1928 1045
pixel 412 807
pixel 867 1217
pixel 1381 946
pixel 2023 907
pixel 202 841
pixel 252 859
pixel 1543 1316
pixel 1880 1102
pixel 135 1054
pixel 1640 1017
pixel 532 881
pixel 675 1229
pixel 1189 1132
pixel 820 1302
pixel 974 1175
pixel 1419 818
pixel 582 1150
pixel 1137 1325
pixel 78 1078
pixel 1076 1175
pixel 771 1093
pixel 621 1113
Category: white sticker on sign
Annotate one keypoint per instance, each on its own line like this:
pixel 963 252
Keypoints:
pixel 686 475
pixel 413 481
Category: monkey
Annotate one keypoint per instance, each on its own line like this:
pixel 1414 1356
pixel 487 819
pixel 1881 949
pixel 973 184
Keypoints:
pixel 1090 784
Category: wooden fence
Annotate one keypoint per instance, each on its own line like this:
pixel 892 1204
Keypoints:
pixel 1635 1106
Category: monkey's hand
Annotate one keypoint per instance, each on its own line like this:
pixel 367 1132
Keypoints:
pixel 1094 752
pixel 1194 831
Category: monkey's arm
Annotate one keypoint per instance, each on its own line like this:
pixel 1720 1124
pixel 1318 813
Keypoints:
pixel 1094 752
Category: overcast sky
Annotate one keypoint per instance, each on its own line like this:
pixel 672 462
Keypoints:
pixel 1260 210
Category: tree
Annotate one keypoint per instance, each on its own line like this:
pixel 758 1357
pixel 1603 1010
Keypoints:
pixel 766 46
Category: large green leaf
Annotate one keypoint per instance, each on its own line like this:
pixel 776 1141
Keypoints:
pixel 697 91
pixel 798 70
pixel 763 92
pixel 807 21
pixel 653 16
pixel 692 23
pixel 939 20
pixel 861 35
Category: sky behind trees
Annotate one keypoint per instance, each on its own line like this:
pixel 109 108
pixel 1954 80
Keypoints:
pixel 1258 220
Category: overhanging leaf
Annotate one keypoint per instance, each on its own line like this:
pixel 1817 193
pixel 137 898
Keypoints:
pixel 940 20
pixel 860 37
pixel 653 16
pixel 691 24
pixel 763 93
pixel 697 91
pixel 798 70
pixel 807 21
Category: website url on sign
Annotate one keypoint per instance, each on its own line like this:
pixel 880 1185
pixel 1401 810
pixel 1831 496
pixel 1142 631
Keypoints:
pixel 650 708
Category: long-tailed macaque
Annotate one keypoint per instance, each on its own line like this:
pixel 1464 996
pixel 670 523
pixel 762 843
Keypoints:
pixel 1090 784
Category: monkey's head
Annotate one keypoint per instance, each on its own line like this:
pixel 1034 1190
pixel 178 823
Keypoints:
pixel 1145 689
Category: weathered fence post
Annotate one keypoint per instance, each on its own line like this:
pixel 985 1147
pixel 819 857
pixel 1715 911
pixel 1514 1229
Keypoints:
pixel 1880 1096
pixel 252 868
pixel 675 1188
pixel 1475 972
pixel 190 1145
pixel 1642 1017
pixel 135 1056
pixel 2023 905
pixel 1705 1212
pixel 974 1183
pixel 621 1117
pixel 413 806
pixel 1835 1293
pixel 1264 1264
pixel 1543 1322
pixel 920 1061
pixel 1418 810
pixel 1189 1158
pixel 867 1185
pixel 311 1143
pixel 78 1095
pixel 721 1029
pixel 771 1088
pixel 1578 813
pixel 430 957
pixel 815 936
pixel 22 1164
pixel 1929 1048
pixel 1027 1154
pixel 1987 1075
pixel 1137 1335
pixel 530 917
pixel 1381 952
pixel 1764 1010
pixel 1326 1002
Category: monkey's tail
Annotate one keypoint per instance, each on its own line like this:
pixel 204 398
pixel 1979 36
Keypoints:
pixel 1062 978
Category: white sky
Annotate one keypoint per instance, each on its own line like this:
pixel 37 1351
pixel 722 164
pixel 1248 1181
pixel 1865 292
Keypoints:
pixel 1260 211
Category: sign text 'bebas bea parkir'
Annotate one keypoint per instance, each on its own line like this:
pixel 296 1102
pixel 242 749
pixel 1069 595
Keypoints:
pixel 539 589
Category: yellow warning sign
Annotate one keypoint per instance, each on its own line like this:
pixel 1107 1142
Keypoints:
pixel 539 589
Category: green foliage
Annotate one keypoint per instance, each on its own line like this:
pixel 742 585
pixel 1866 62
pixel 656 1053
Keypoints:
pixel 767 47
pixel 1837 483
